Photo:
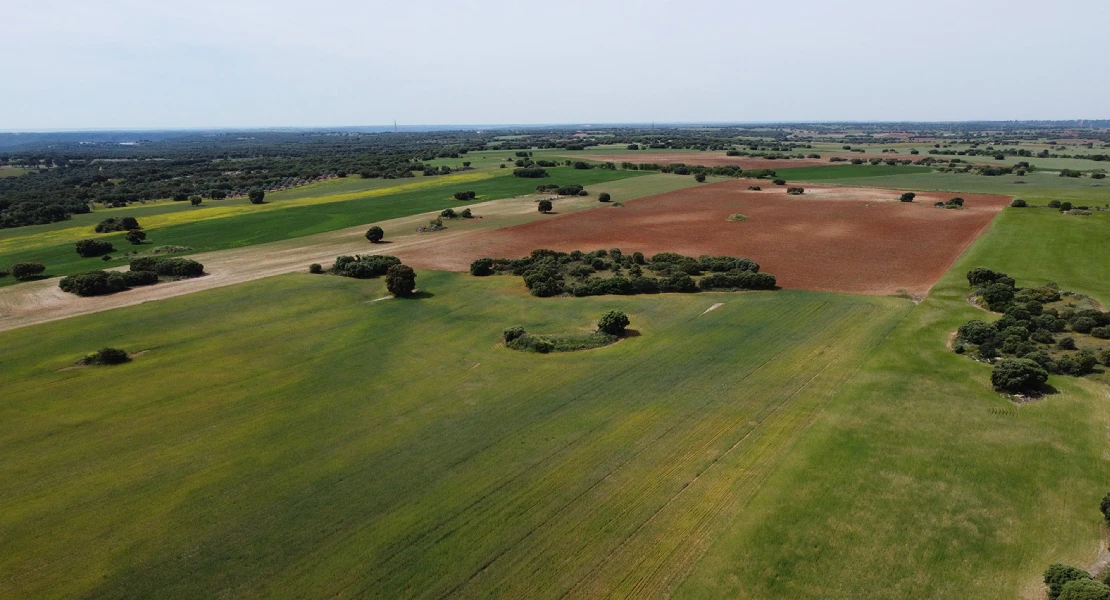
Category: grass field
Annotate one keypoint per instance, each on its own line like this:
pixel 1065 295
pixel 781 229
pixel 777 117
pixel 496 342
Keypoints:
pixel 918 480
pixel 243 224
pixel 12 171
pixel 336 446
pixel 1039 187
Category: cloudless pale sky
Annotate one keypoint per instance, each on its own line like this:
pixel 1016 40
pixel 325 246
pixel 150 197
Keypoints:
pixel 257 63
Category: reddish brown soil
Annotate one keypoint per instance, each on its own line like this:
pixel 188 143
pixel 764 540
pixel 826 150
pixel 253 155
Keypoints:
pixel 829 239
pixel 719 159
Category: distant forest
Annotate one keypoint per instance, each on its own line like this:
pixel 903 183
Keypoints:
pixel 70 171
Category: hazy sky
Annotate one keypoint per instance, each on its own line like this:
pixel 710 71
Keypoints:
pixel 253 63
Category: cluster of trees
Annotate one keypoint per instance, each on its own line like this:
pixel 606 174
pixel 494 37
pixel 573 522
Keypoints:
pixel 400 279
pixel 135 233
pixel 610 327
pixel 1031 337
pixel 550 273
pixel 143 271
pixel 464 196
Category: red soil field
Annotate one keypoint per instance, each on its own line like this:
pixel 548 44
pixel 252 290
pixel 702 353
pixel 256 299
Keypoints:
pixel 850 240
pixel 718 159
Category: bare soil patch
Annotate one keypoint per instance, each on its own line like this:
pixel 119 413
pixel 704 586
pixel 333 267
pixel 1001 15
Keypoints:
pixel 716 159
pixel 835 239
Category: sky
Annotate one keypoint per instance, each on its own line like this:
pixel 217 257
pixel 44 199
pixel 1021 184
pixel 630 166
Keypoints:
pixel 137 64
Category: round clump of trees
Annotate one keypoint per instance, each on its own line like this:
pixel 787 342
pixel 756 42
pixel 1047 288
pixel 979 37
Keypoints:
pixel 907 197
pixel 603 197
pixel 400 280
pixel 544 206
pixel 1019 203
pixel 375 234
pixel 613 322
pixel 1018 376
pixel 256 196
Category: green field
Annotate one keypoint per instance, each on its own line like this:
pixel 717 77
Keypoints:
pixel 335 446
pixel 1038 187
pixel 246 227
pixel 918 480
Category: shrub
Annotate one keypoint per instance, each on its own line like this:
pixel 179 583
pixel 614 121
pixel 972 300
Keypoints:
pixel 400 280
pixel 1019 203
pixel 957 201
pixel 981 276
pixel 106 356
pixel 195 200
pixel 754 188
pixel 170 267
pixel 700 178
pixel 544 206
pixel 463 196
pixel 1102 333
pixel 136 236
pixel 569 190
pixel 27 270
pixel 93 283
pixel 530 172
pixel 1067 343
pixel 482 267
pixel 91 248
pixel 1054 204
pixel 779 182
pixel 613 322
pixel 795 191
pixel 448 213
pixel 1016 375
pixel 1104 356
pixel 512 333
pixel 315 269
pixel 375 234
pixel 256 196
pixel 1065 206
pixel 603 197
pixel 908 197
pixel 1058 575
pixel 363 267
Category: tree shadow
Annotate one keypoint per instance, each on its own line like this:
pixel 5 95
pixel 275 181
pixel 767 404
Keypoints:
pixel 381 242
pixel 419 295
pixel 631 333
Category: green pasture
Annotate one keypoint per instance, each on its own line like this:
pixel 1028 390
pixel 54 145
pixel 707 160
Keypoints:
pixel 290 438
pixel 247 227
pixel 918 481
pixel 1037 188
